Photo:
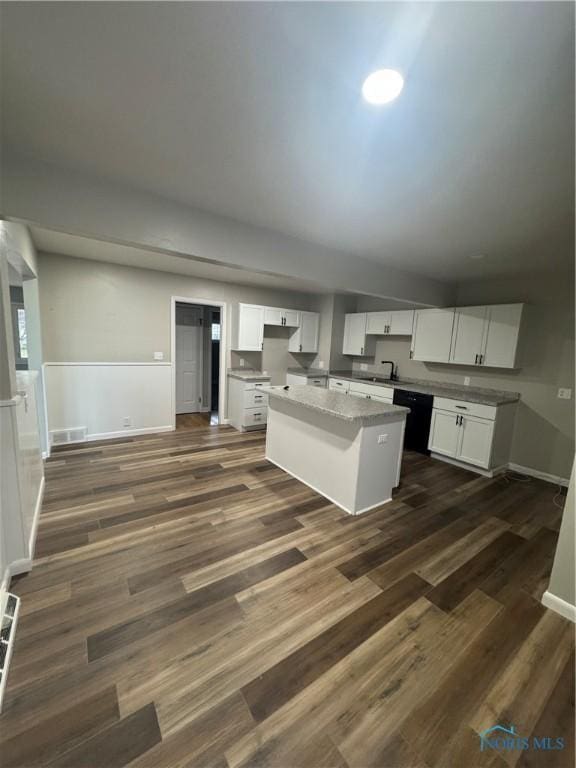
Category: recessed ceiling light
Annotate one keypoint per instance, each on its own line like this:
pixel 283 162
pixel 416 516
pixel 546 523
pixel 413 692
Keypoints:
pixel 382 86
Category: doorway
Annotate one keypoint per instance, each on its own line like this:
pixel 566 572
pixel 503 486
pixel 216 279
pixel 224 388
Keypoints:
pixel 197 351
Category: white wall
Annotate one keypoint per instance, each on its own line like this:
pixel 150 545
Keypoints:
pixel 561 593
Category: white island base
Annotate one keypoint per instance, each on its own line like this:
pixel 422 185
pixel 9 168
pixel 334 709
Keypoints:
pixel 355 465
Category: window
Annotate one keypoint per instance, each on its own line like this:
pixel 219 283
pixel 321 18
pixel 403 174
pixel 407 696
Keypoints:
pixel 22 337
pixel 215 331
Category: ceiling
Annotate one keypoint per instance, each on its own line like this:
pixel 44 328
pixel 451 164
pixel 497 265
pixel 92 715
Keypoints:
pixel 253 110
pixel 64 244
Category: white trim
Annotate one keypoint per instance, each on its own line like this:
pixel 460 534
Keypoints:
pixel 556 604
pixel 222 394
pixel 470 467
pixel 36 519
pixel 556 479
pixel 325 495
pixel 120 433
pixel 155 363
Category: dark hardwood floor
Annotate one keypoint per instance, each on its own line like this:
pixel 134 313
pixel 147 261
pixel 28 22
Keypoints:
pixel 193 605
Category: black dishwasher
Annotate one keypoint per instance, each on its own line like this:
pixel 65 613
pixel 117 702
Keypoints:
pixel 418 420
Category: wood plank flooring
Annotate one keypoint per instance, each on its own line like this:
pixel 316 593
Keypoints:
pixel 193 605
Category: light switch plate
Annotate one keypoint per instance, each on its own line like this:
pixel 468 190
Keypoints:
pixel 363 366
pixel 466 381
pixel 158 355
pixel 565 394
pixel 242 362
pixel 382 439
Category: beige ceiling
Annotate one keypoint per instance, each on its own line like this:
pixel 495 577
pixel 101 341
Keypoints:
pixel 253 110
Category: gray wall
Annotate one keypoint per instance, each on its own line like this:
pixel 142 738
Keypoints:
pixel 93 311
pixel 84 205
pixel 544 431
pixel 563 578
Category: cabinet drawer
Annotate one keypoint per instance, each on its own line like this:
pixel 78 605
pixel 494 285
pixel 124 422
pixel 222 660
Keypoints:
pixel 465 408
pixel 253 398
pixel 319 382
pixel 340 385
pixel 359 388
pixel 256 385
pixel 254 416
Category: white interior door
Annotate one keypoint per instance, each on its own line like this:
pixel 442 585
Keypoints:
pixel 468 335
pixel 188 368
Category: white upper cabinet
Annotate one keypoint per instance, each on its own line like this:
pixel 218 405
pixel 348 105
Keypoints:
pixel 393 323
pixel 486 335
pixel 377 322
pixel 432 335
pixel 501 338
pixel 468 335
pixel 355 341
pixel 401 322
pixel 305 338
pixel 249 334
pixel 273 316
pixel 287 317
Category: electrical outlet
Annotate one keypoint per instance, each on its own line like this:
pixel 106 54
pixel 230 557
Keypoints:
pixel 363 366
pixel 242 362
pixel 565 394
pixel 321 364
pixel 382 439
pixel 158 355
pixel 466 381
pixel 127 421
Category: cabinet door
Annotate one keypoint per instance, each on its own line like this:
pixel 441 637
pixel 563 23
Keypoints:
pixel 273 316
pixel 444 433
pixel 468 335
pixel 354 334
pixel 309 325
pixel 250 327
pixel 291 318
pixel 401 322
pixel 476 441
pixel 377 322
pixel 501 341
pixel 382 399
pixel 432 335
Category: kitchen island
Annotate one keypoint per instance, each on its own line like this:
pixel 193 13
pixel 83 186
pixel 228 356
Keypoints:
pixel 345 448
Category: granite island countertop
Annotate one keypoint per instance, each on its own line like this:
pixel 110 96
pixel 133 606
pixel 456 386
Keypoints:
pixel 440 389
pixel 247 374
pixel 351 409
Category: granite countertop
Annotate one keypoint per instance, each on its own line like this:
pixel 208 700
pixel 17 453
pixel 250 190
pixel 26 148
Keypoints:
pixel 352 409
pixel 440 389
pixel 247 374
pixel 308 371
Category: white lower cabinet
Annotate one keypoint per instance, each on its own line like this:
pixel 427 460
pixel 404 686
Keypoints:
pixel 339 385
pixel 472 433
pixel 371 391
pixel 247 403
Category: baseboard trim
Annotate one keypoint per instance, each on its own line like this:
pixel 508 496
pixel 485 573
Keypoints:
pixel 556 479
pixel 470 467
pixel 36 520
pixel 325 495
pixel 121 433
pixel 559 606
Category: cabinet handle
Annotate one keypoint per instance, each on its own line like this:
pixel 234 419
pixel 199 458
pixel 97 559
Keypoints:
pixel 476 360
pixel 361 350
pixel 481 359
pixel 300 347
pixel 462 407
pixel 257 414
pixel 411 354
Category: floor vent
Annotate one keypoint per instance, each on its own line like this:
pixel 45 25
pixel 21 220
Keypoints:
pixel 63 436
pixel 7 632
